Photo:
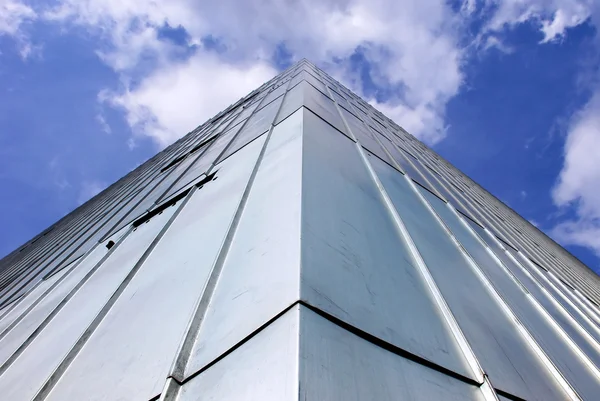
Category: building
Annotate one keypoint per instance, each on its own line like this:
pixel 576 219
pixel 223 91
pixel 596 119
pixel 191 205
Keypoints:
pixel 297 246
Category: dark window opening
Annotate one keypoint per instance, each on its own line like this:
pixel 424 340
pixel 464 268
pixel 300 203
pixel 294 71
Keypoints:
pixel 428 190
pixel 173 162
pixel 208 178
pixel 110 244
pixel 217 118
pixel 252 96
pixel 435 172
pixel 145 218
pixel 506 243
pixel 380 123
pixel 375 129
pixel 469 217
pixel 457 187
pixel 538 265
pixel 567 284
pixel 592 301
pixel 410 154
pixel 203 144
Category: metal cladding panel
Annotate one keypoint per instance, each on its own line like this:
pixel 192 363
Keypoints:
pixel 28 323
pixel 294 99
pixel 203 163
pixel 12 315
pixel 337 365
pixel 265 368
pixel 162 296
pixel 354 263
pixel 302 356
pixel 304 94
pixel 583 377
pixel 68 323
pixel 494 338
pixel 310 78
pixel 528 378
pixel 363 136
pixel 257 124
pixel 153 191
pixel 260 276
pixel 277 252
pixel 339 99
pixel 553 293
pixel 552 306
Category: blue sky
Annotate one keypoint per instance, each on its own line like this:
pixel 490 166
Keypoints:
pixel 507 91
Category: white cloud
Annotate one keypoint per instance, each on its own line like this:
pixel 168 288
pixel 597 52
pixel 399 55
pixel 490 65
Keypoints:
pixel 172 101
pixel 553 16
pixel 14 14
pixel 579 181
pixel 414 45
pixel 103 124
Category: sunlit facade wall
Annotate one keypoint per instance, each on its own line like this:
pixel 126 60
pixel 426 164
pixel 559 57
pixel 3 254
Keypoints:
pixel 299 245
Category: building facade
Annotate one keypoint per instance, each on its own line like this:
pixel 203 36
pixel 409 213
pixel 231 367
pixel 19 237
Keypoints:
pixel 299 245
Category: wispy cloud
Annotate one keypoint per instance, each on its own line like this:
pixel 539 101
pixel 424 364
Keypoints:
pixel 424 59
pixel 13 14
pixel 578 183
pixel 103 124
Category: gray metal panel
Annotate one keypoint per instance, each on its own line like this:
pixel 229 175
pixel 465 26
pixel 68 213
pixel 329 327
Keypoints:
pixel 574 330
pixel 528 377
pixel 28 372
pixel 354 263
pixel 309 77
pixel 154 190
pixel 202 164
pixel 567 302
pixel 322 106
pixel 582 377
pixel 304 94
pixel 275 93
pixel 260 276
pixel 258 124
pixel 362 134
pixel 336 365
pixel 263 369
pixel 340 99
pixel 27 324
pixel 29 299
pixel 494 338
pixel 161 296
pixel 294 99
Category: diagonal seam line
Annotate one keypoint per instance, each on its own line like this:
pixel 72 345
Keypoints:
pixel 508 395
pixel 234 347
pixel 390 347
pixel 348 327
